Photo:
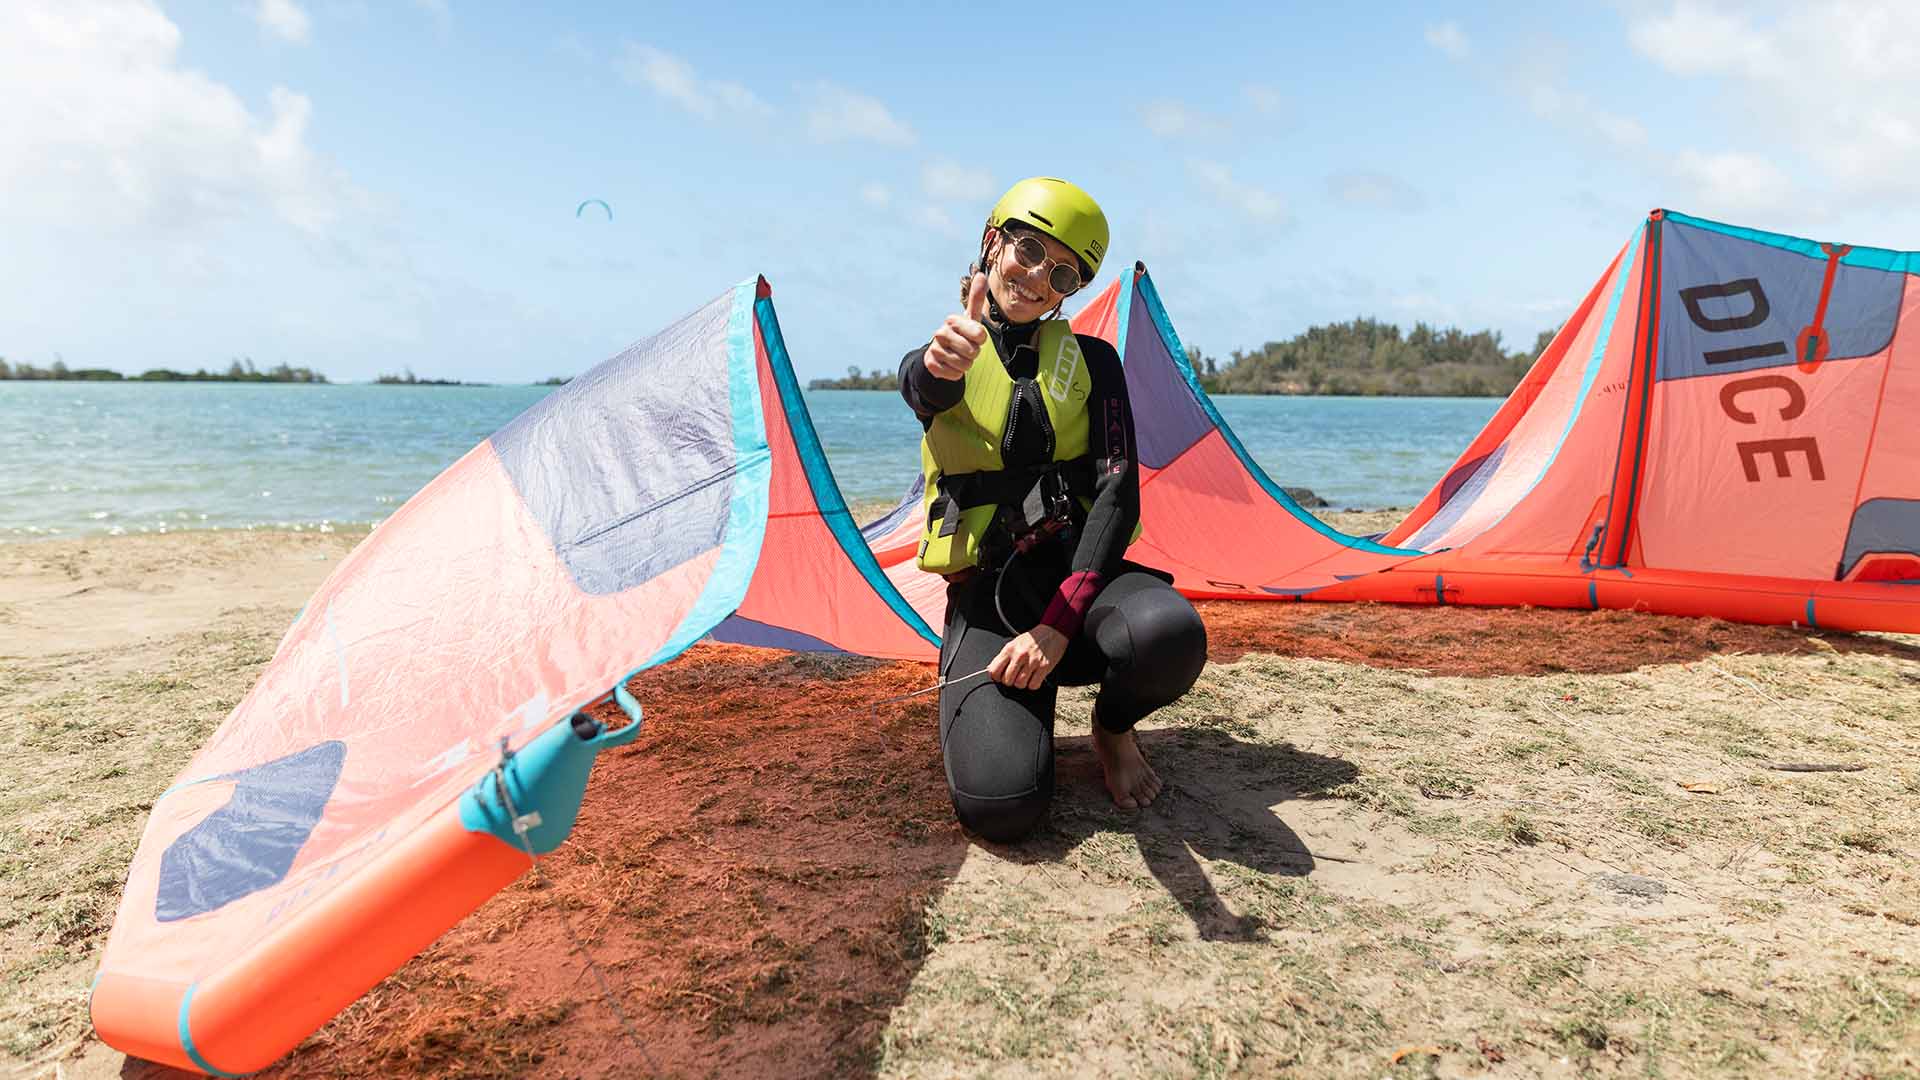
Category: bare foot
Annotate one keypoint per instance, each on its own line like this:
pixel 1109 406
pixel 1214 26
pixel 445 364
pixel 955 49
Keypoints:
pixel 1130 779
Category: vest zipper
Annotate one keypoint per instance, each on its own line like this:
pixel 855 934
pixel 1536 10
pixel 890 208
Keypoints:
pixel 1020 388
pixel 1013 422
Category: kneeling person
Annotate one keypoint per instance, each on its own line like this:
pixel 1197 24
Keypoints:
pixel 1033 495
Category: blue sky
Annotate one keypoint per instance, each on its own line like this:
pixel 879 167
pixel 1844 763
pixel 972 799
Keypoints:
pixel 365 186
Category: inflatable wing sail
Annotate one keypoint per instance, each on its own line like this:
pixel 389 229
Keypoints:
pixel 819 587
pixel 419 730
pixel 1210 514
pixel 1722 428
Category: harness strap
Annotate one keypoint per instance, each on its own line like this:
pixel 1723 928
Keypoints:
pixel 1035 503
pixel 1011 487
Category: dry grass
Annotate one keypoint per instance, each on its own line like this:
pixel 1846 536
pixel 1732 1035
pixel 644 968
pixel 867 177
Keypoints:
pixel 82 756
pixel 1356 872
pixel 1522 885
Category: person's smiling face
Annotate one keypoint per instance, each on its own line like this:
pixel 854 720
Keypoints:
pixel 1024 293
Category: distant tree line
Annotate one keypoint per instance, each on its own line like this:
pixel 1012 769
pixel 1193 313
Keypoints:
pixel 241 370
pixel 872 380
pixel 1363 357
pixel 1372 358
pixel 410 379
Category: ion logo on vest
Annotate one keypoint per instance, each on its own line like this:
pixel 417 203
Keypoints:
pixel 1066 364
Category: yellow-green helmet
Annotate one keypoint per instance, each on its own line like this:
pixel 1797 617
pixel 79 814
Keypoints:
pixel 1062 211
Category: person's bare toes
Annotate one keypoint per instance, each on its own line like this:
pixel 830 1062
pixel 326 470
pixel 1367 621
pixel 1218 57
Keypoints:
pixel 1147 791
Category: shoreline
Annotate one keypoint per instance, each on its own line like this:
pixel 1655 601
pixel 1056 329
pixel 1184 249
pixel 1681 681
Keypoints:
pixel 32 534
pixel 809 388
pixel 1355 521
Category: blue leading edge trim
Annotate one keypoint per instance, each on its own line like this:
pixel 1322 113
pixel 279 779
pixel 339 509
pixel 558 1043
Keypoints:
pixel 1592 373
pixel 826 491
pixel 1143 282
pixel 186 1038
pixel 1902 262
pixel 747 514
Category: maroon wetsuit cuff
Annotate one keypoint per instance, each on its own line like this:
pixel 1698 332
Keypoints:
pixel 1070 602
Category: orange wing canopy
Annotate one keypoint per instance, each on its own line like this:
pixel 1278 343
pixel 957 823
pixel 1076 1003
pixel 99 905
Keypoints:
pixel 419 732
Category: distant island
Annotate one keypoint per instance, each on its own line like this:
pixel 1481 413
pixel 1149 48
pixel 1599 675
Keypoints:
pixel 872 380
pixel 1370 358
pixel 1361 358
pixel 410 379
pixel 241 370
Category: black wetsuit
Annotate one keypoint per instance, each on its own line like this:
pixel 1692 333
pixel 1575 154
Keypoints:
pixel 1128 630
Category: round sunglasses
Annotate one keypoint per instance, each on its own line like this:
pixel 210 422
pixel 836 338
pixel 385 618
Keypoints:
pixel 1030 252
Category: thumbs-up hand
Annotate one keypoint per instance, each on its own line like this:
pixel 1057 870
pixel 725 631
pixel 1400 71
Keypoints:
pixel 958 340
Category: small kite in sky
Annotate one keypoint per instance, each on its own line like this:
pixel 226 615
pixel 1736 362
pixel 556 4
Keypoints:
pixel 582 208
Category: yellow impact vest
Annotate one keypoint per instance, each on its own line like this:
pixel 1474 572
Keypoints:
pixel 963 444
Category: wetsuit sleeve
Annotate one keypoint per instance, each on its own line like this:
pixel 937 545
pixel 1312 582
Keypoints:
pixel 1116 499
pixel 926 393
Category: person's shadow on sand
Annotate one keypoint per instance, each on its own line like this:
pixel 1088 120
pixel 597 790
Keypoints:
pixel 1223 801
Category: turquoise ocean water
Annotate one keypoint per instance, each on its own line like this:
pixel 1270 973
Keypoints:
pixel 151 457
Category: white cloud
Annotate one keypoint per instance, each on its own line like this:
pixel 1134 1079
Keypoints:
pixel 1830 91
pixel 1715 180
pixel 287 161
pixel 1254 202
pixel 283 19
pixel 1173 120
pixel 841 115
pixel 878 195
pixel 1695 39
pixel 1449 39
pixel 1374 190
pixel 952 181
pixel 1549 101
pixel 1622 131
pixel 1736 182
pixel 674 79
pixel 129 137
pixel 936 219
pixel 667 75
pixel 736 98
pixel 1264 98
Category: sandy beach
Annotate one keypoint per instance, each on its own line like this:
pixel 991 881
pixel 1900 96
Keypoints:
pixel 1397 841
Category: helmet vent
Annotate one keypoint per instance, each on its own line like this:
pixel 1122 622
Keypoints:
pixel 1037 216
